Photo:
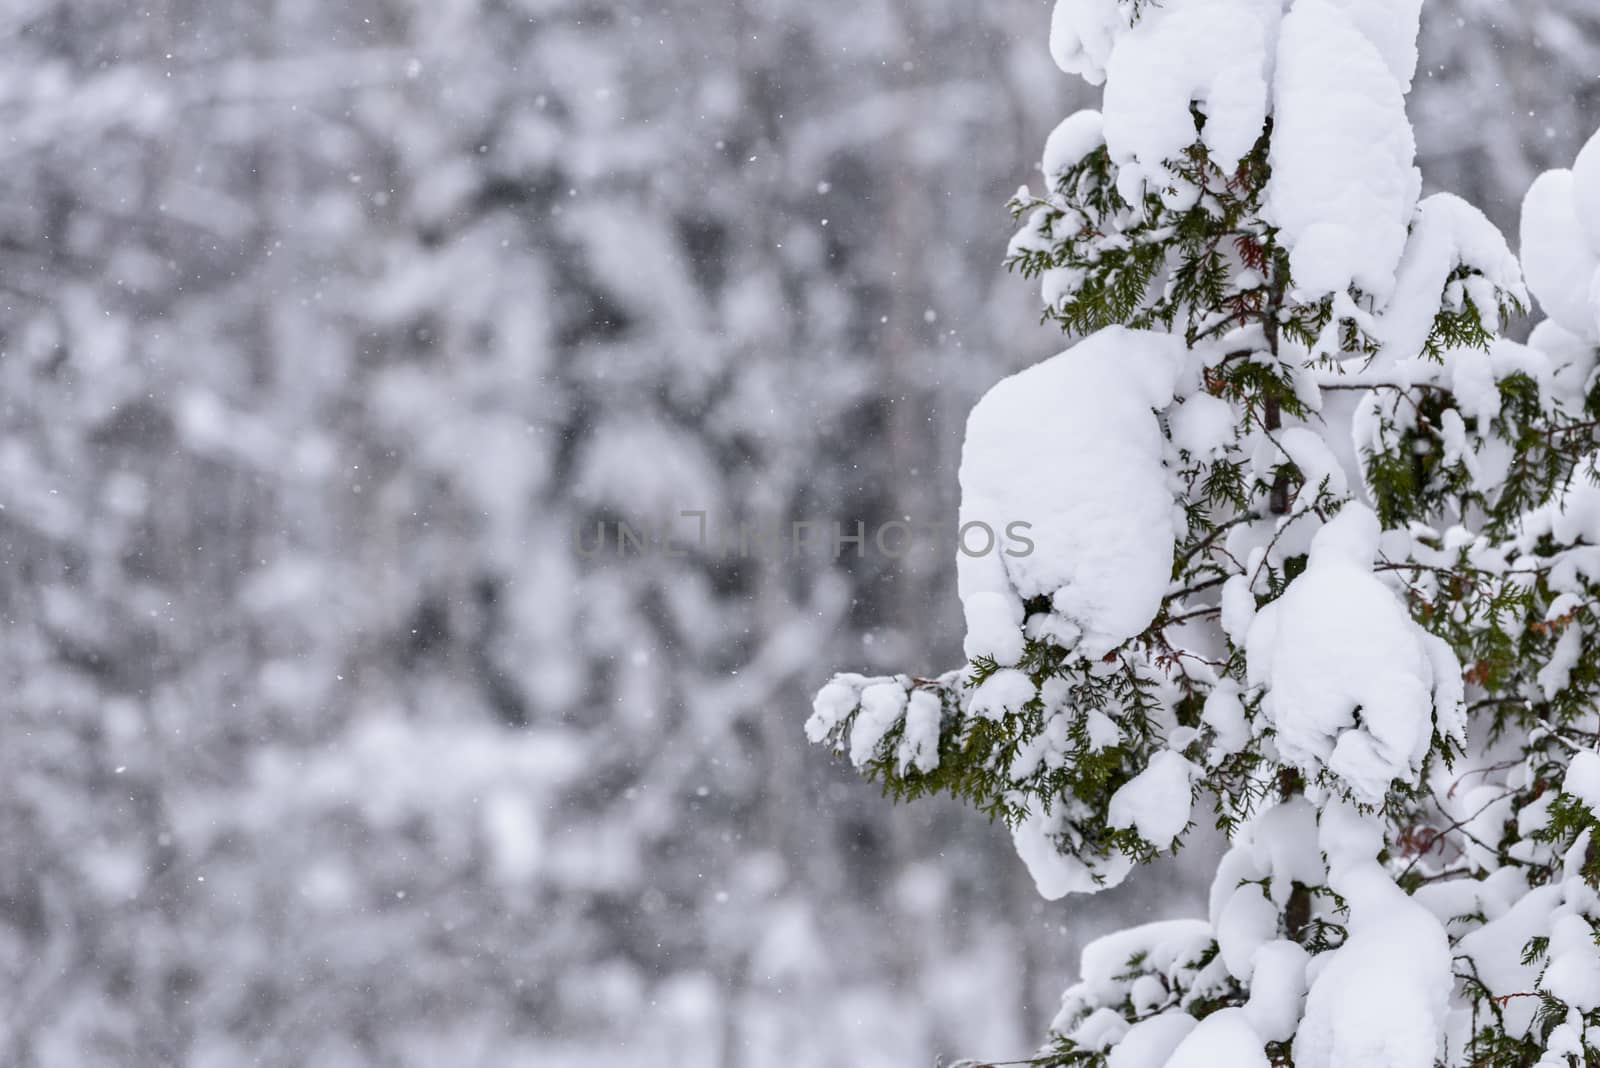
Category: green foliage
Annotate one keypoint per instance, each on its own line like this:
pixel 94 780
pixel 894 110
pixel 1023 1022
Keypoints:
pixel 1454 477
pixel 1192 257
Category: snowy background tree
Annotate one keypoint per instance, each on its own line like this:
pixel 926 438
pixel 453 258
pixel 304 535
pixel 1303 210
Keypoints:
pixel 1310 557
pixel 322 329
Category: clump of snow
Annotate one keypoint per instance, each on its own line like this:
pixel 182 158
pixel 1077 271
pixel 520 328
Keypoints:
pixel 1003 693
pixel 1586 189
pixel 1156 802
pixel 1380 1000
pixel 1238 608
pixel 882 705
pixel 1216 54
pixel 1203 426
pixel 1554 676
pixel 1571 517
pixel 1223 1038
pixel 1224 714
pixel 1559 257
pixel 1150 1043
pixel 1350 680
pixel 1082 33
pixel 1277 989
pixel 1583 779
pixel 1343 184
pixel 1574 972
pixel 1090 481
pixel 1495 951
pixel 1056 873
pixel 1160 946
pixel 833 703
pixel 994 627
pixel 919 745
pixel 1278 846
pixel 1391 26
pixel 1247 923
pixel 1447 233
pixel 1075 137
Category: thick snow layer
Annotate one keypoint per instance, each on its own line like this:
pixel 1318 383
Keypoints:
pixel 1001 694
pixel 1381 999
pixel 1215 53
pixel 833 703
pixel 1082 33
pixel 1571 517
pixel 1277 990
pixel 1586 190
pixel 919 745
pixel 1343 183
pixel 1495 952
pixel 1056 874
pixel 1156 802
pixel 1574 971
pixel 1160 946
pixel 1572 360
pixel 1075 137
pixel 1149 1043
pixel 994 627
pixel 882 705
pixel 1349 677
pixel 1223 1038
pixel 1447 232
pixel 1248 922
pixel 1203 426
pixel 1224 714
pixel 1072 446
pixel 1391 26
pixel 1278 845
pixel 1557 256
pixel 1583 779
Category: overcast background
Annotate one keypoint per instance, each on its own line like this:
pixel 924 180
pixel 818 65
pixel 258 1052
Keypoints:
pixel 324 325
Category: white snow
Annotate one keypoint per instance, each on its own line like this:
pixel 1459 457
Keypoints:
pixel 1056 874
pixel 1224 714
pixel 1238 608
pixel 1149 1043
pixel 1586 190
pixel 1277 990
pixel 1156 802
pixel 1557 256
pixel 1447 232
pixel 1381 999
pixel 1082 33
pixel 1494 951
pixel 1336 646
pixel 920 742
pixel 1583 779
pixel 1072 445
pixel 1075 137
pixel 1343 184
pixel 1160 945
pixel 1279 845
pixel 1574 971
pixel 1248 922
pixel 882 705
pixel 1203 426
pixel 994 627
pixel 1391 26
pixel 1214 53
pixel 1223 1038
pixel 832 704
pixel 1003 693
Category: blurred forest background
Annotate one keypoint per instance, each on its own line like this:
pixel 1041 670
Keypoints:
pixel 323 325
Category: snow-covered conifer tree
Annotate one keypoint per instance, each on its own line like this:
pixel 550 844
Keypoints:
pixel 1315 552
